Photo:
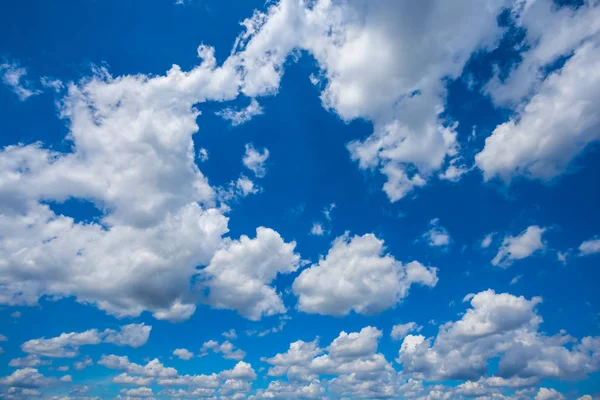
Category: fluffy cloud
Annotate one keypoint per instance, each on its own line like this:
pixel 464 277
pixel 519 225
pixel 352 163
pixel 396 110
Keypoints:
pixel 518 247
pixel 125 379
pixel 227 349
pixel 153 368
pixel 504 326
pixel 241 371
pixel 437 236
pixel 32 360
pixel 352 358
pixel 238 117
pixel 255 160
pixel 27 378
pixel 13 76
pixel 239 274
pixel 317 229
pixel 67 344
pixel 230 334
pixel 401 330
pixel 588 247
pixel 356 275
pixel 183 354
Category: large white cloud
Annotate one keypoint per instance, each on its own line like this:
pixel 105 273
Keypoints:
pixel 239 274
pixel 357 275
pixel 499 326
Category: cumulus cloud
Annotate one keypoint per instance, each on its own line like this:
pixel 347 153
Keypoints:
pixel 504 326
pixel 239 275
pixel 153 368
pixel 356 275
pixel 255 160
pixel 227 349
pixel 125 379
pixel 230 334
pixel 13 76
pixel 401 330
pixel 183 354
pixel 27 378
pixel 588 247
pixel 519 247
pixel 317 229
pixel 31 361
pixel 437 236
pixel 67 344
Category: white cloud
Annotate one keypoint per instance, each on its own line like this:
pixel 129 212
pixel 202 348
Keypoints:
pixel 437 236
pixel 548 394
pixel 3 338
pixel 241 371
pixel 13 76
pixel 487 240
pixel 255 160
pixel 499 326
pixel 317 229
pixel 137 392
pixel 356 275
pixel 32 360
pixel 516 279
pixel 227 349
pixel 519 247
pixel 361 49
pixel 134 335
pixel 588 247
pixel 540 142
pixel 183 354
pixel 67 344
pixel 239 275
pixel 230 334
pixel 238 117
pixel 125 379
pixel 27 378
pixel 66 378
pixel 16 314
pixel 400 331
pixel 202 154
pixel 153 368
pixel 81 365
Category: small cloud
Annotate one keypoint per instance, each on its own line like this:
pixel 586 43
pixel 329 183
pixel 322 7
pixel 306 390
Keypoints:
pixel 230 334
pixel 519 247
pixel 255 160
pixel 239 117
pixel 437 236
pixel 317 229
pixel 327 211
pixel 183 354
pixel 16 314
pixel 589 247
pixel 487 240
pixel 13 76
pixel 202 154
pixel 516 279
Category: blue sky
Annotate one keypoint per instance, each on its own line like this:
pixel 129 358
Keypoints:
pixel 300 200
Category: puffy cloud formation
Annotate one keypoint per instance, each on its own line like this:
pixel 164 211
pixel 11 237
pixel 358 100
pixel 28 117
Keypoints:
pixel 227 349
pixel 591 246
pixel 67 344
pixel 356 275
pixel 437 236
pixel 519 247
pixel 504 326
pixel 27 378
pixel 183 354
pixel 239 274
pixel 255 160
pixel 401 330
pixel 238 117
